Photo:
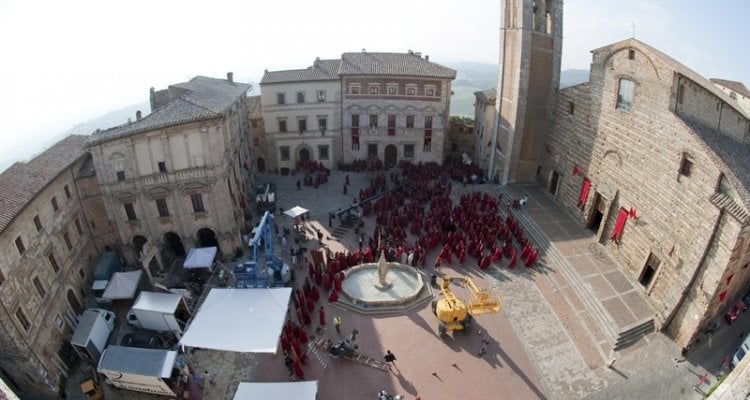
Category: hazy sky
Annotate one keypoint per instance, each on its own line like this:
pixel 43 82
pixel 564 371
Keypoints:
pixel 65 62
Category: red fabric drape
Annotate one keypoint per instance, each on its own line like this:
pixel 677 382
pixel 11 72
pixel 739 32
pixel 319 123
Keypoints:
pixel 619 224
pixel 584 192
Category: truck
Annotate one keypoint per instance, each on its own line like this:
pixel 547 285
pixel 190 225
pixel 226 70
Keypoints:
pixel 161 312
pixel 142 370
pixel 92 334
pixel 108 264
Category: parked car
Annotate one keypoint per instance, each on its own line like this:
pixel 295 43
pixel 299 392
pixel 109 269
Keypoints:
pixel 144 340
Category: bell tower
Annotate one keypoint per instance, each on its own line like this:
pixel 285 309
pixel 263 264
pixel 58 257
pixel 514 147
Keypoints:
pixel 528 77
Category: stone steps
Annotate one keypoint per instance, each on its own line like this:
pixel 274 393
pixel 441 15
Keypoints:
pixel 634 333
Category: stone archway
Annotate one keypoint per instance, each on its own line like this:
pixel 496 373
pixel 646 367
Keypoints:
pixel 173 244
pixel 261 164
pixel 391 155
pixel 207 238
pixel 74 303
pixel 304 154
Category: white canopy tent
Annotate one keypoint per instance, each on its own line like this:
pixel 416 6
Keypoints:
pixel 241 320
pixel 200 257
pixel 296 211
pixel 277 390
pixel 122 285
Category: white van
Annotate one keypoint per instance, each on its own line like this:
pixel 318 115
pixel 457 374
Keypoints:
pixel 741 351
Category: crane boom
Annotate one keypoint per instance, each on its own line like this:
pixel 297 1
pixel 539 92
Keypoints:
pixel 482 301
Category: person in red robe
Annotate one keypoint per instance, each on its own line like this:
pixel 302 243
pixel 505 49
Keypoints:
pixel 334 297
pixel 315 294
pixel 302 335
pixel 531 259
pixel 310 304
pixel 513 258
pixel 284 343
pixel 338 279
pixel 484 263
pixel 298 370
pixel 322 315
pixel 327 282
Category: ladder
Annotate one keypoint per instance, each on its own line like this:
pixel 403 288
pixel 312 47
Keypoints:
pixel 311 346
pixel 369 361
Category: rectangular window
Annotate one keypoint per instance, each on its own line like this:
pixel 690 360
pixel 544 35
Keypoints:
pixel 355 120
pixel 22 319
pixel 355 138
pixel 19 246
pixel 411 91
pixel 302 125
pixel 120 176
pixel 354 90
pixel 322 124
pixel 130 211
pixel 280 98
pixel 571 108
pixel 427 144
pixel 282 125
pixel 79 228
pixel 197 200
pixel 410 121
pixel 625 95
pixel 373 121
pixel 284 150
pixel 39 287
pixel 372 150
pixel 686 167
pixel 38 223
pixel 391 125
pixel 408 150
pixel 322 152
pixel 428 122
pixel 321 96
pixel 374 90
pixel 67 191
pixel 429 92
pixel 647 275
pixel 631 54
pixel 161 207
pixel 55 207
pixel 619 225
pixel 162 167
pixel 68 242
pixel 392 89
pixel 53 262
pixel 300 97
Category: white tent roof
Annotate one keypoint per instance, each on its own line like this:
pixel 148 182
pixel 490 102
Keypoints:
pixel 200 257
pixel 277 390
pixel 295 211
pixel 241 320
pixel 123 285
pixel 160 302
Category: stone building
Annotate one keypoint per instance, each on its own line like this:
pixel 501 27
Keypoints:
pixel 257 131
pixel 390 106
pixel 394 107
pixel 736 91
pixel 301 116
pixel 177 177
pixel 530 55
pixel 484 120
pixel 49 250
pixel 460 139
pixel 653 159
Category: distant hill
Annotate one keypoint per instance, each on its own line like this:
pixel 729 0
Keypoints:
pixel 108 120
pixel 474 76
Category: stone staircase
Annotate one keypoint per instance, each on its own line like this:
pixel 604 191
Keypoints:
pixel 553 257
pixel 632 334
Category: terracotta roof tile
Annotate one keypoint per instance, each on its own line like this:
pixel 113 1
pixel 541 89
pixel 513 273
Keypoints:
pixel 201 98
pixel 401 64
pixel 738 87
pixel 321 70
pixel 20 183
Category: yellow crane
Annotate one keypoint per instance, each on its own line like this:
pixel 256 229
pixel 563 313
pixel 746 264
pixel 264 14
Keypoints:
pixel 456 315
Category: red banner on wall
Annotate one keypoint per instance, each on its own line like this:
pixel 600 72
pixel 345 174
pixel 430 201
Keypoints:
pixel 619 225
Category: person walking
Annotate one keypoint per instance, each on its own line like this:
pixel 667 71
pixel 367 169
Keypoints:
pixel 337 323
pixel 390 359
pixel 322 315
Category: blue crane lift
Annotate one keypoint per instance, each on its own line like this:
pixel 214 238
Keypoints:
pixel 273 272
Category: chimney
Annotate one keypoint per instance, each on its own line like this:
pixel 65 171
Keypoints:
pixel 152 98
pixel 230 77
pixel 138 115
pixel 427 57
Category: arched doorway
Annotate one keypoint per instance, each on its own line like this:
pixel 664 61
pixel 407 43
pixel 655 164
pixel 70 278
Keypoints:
pixel 261 164
pixel 207 238
pixel 391 155
pixel 304 154
pixel 74 303
pixel 173 244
